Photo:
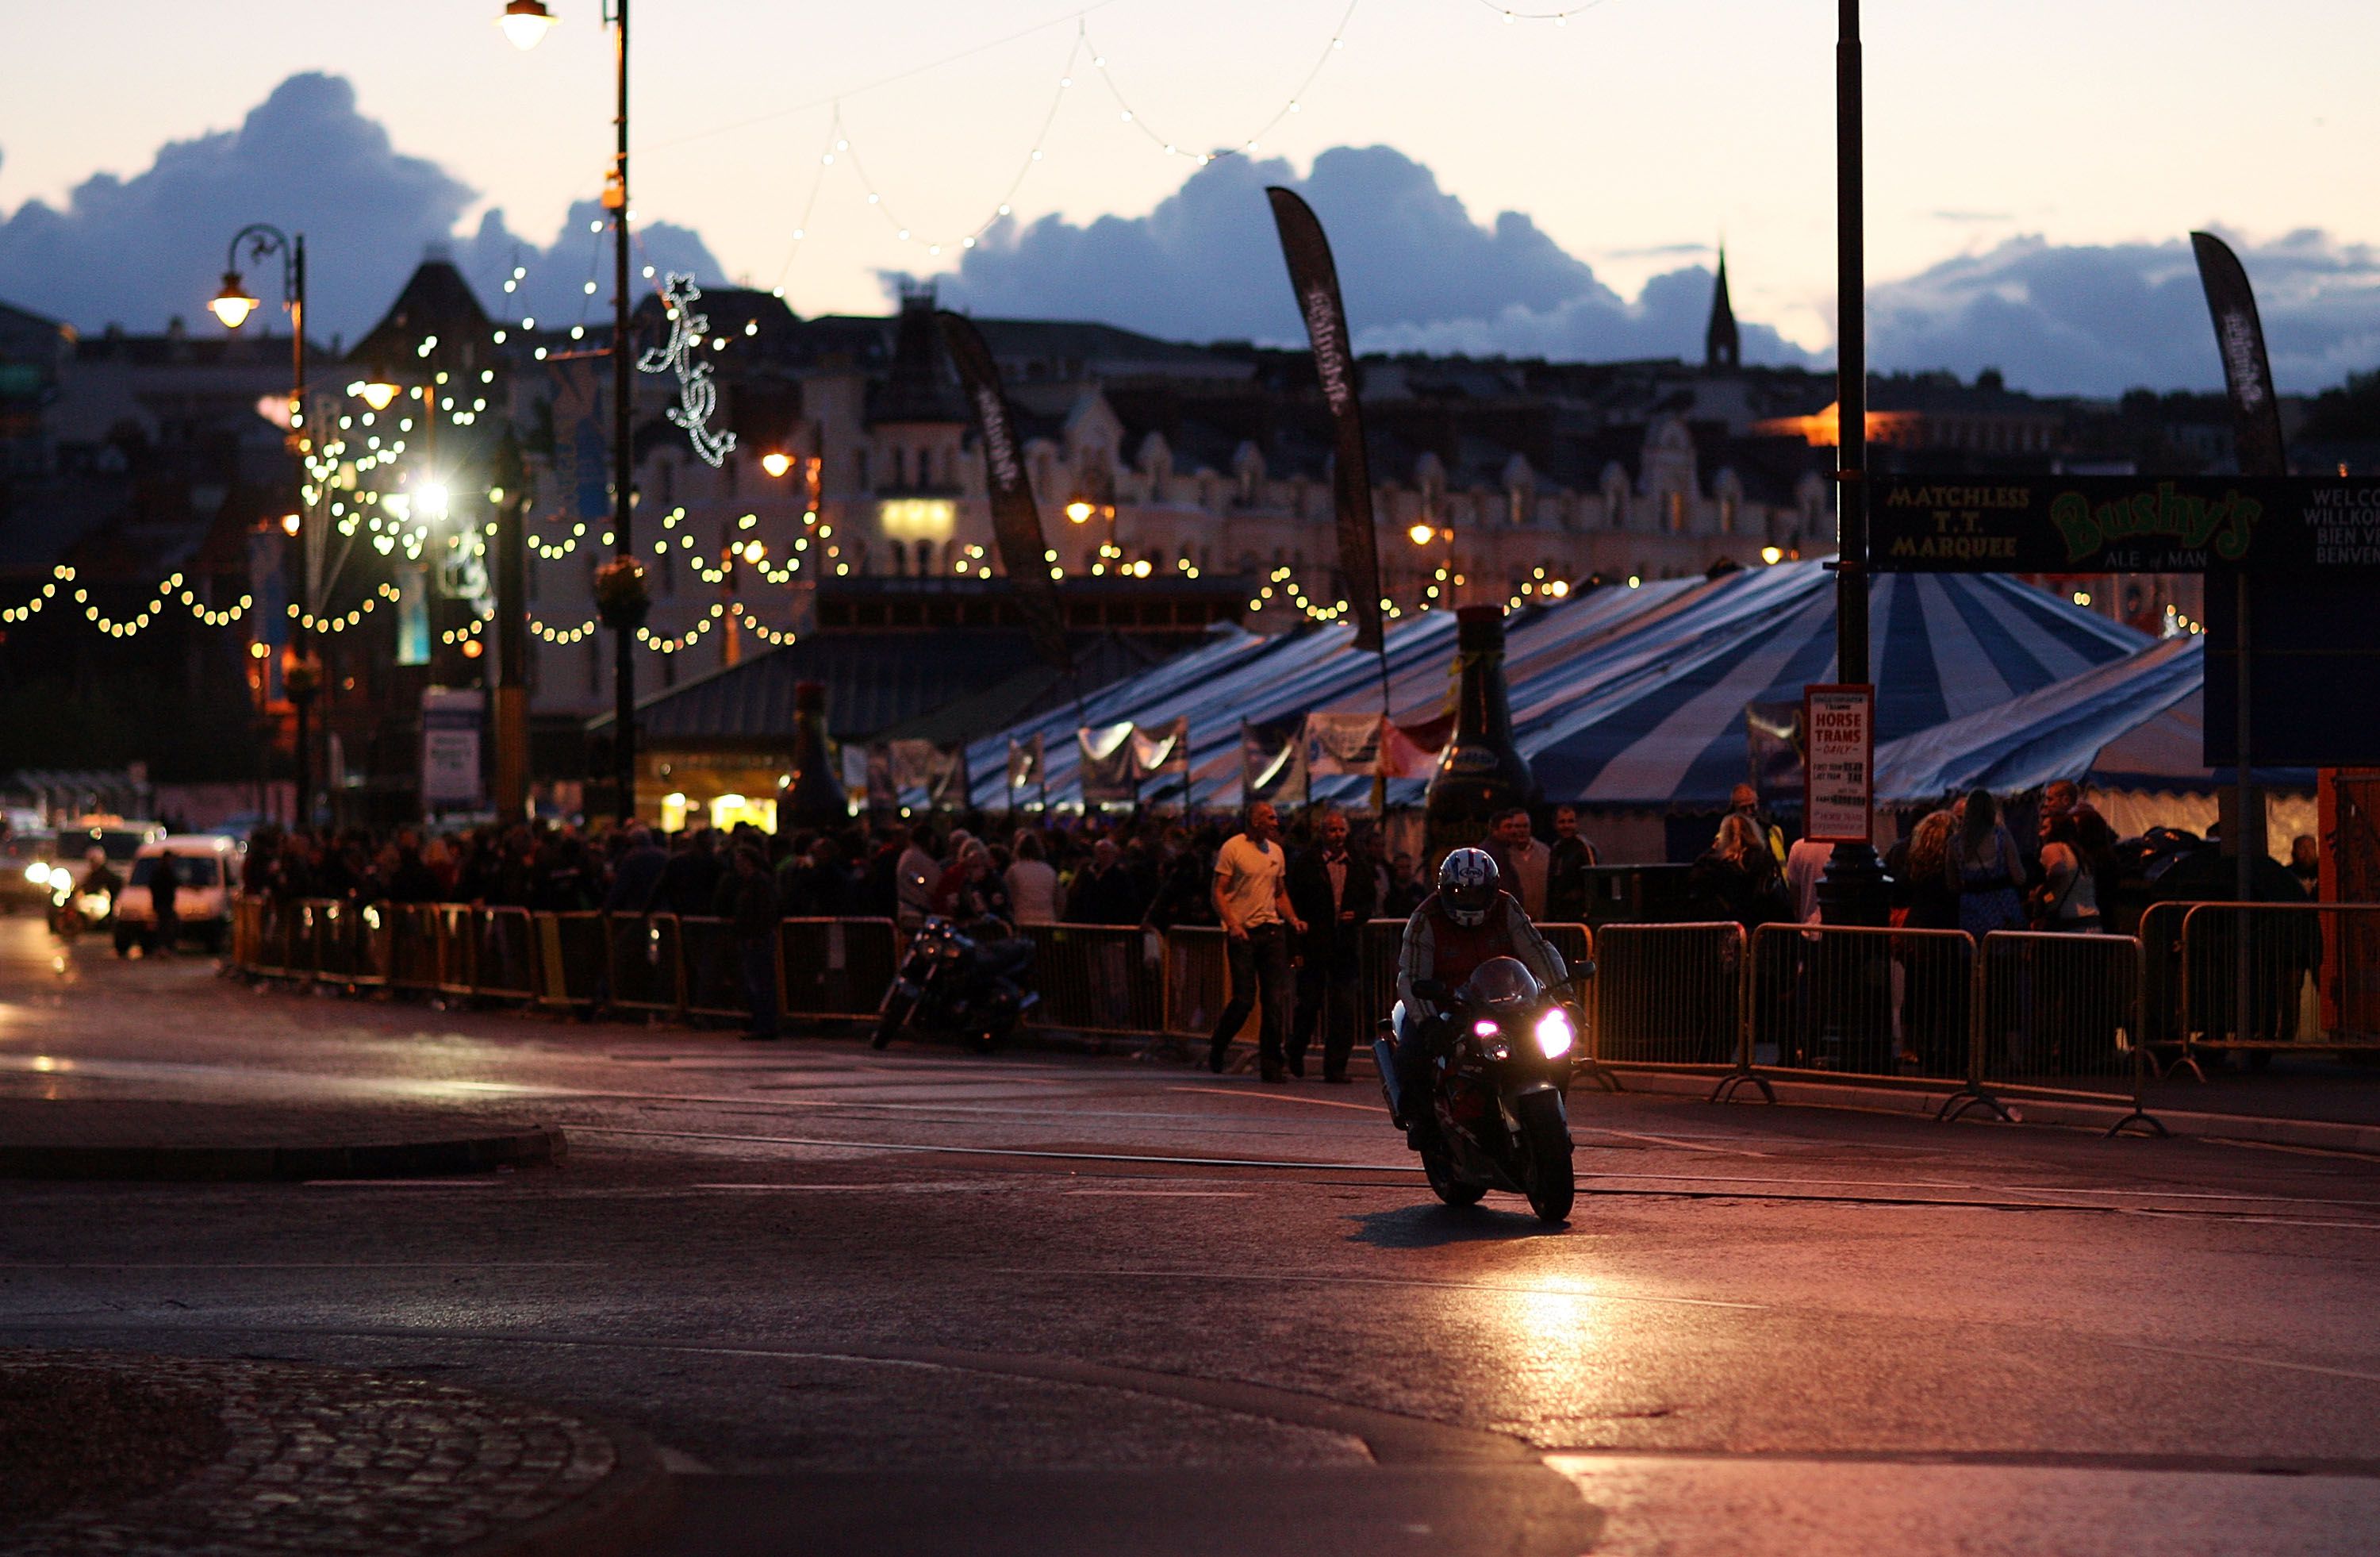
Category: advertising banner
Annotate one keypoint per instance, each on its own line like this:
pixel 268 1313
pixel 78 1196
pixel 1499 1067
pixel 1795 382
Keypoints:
pixel 2247 371
pixel 1342 743
pixel 1838 763
pixel 1316 281
pixel 452 720
pixel 1015 519
pixel 2124 524
pixel 1108 773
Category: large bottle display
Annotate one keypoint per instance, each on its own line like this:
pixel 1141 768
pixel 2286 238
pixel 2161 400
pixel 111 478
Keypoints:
pixel 1482 771
pixel 814 799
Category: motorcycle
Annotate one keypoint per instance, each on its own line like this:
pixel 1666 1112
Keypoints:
pixel 952 981
pixel 1499 1085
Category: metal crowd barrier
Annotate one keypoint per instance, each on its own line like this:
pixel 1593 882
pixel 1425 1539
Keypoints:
pixel 1198 981
pixel 1099 977
pixel 372 946
pixel 2160 938
pixel 570 958
pixel 414 962
pixel 504 962
pixel 1858 1001
pixel 458 949
pixel 1671 996
pixel 835 967
pixel 2057 1012
pixel 714 968
pixel 2260 977
pixel 643 968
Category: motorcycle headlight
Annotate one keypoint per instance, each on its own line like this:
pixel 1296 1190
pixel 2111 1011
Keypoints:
pixel 38 873
pixel 61 877
pixel 1555 1033
pixel 1484 1029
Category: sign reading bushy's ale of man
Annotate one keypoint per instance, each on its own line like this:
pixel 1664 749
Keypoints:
pixel 2124 524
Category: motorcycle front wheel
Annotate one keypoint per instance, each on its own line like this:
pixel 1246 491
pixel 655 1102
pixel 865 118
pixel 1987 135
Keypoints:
pixel 1445 1185
pixel 1551 1179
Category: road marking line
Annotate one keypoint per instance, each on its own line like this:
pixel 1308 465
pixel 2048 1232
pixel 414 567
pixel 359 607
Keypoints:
pixel 1381 1281
pixel 1003 1151
pixel 1170 1194
pixel 2245 1360
pixel 1279 1097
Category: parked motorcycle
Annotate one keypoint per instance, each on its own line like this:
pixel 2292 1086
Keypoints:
pixel 1498 1081
pixel 970 984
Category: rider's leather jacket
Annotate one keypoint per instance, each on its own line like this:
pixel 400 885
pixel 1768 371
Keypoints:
pixel 1435 947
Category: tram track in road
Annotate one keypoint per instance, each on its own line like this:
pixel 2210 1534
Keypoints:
pixel 1917 1194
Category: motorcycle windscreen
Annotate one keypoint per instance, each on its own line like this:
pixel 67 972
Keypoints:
pixel 1502 982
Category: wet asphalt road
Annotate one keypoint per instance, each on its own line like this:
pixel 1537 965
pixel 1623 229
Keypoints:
pixel 922 1302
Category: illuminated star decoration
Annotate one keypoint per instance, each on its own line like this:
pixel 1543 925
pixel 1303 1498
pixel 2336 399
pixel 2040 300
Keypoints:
pixel 698 397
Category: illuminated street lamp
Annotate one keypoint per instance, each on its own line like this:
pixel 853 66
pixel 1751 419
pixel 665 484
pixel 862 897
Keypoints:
pixel 620 594
pixel 1079 511
pixel 776 464
pixel 233 304
pixel 377 393
pixel 526 23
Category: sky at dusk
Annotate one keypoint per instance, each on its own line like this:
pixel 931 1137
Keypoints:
pixel 1491 186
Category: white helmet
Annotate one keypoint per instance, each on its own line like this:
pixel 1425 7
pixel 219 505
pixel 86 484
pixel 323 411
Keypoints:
pixel 1467 886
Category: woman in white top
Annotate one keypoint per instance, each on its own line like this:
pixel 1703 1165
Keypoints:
pixel 1033 891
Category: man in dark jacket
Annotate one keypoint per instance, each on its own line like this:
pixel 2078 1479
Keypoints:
pixel 748 896
pixel 691 878
pixel 639 872
pixel 1566 870
pixel 1334 892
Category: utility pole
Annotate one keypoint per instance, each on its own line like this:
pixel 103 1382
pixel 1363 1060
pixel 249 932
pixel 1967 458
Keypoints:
pixel 624 462
pixel 511 698
pixel 1852 891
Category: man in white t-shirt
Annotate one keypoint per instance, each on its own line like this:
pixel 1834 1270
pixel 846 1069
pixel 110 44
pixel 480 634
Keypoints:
pixel 1252 900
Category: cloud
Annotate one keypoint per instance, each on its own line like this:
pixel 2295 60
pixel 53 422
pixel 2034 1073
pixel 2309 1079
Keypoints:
pixel 141 249
pixel 1418 272
pixel 2100 320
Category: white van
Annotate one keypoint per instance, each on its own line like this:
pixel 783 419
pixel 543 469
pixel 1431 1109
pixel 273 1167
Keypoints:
pixel 209 865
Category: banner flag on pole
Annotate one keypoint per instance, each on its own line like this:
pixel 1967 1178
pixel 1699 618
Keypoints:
pixel 1016 519
pixel 1107 772
pixel 2247 371
pixel 1316 281
pixel 1162 748
pixel 1272 761
pixel 1023 762
pixel 1342 743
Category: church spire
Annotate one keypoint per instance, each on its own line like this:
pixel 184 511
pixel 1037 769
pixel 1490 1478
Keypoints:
pixel 1721 347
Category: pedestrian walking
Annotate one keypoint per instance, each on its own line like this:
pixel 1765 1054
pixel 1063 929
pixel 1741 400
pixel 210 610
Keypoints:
pixel 1334 892
pixel 1252 900
pixel 165 894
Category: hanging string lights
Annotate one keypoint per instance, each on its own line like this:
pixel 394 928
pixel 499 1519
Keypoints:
pixel 838 149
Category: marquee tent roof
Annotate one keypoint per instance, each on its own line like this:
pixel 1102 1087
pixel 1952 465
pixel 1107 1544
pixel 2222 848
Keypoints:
pixel 2133 723
pixel 1628 697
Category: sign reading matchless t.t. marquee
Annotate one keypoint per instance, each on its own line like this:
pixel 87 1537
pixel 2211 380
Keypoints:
pixel 2124 524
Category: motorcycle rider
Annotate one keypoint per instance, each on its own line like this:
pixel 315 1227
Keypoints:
pixel 1468 920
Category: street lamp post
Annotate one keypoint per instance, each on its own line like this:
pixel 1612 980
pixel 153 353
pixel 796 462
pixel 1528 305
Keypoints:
pixel 526 22
pixel 233 305
pixel 1853 890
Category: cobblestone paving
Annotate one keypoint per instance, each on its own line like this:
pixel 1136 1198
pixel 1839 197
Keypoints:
pixel 329 1462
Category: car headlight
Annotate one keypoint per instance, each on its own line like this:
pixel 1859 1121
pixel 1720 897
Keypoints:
pixel 38 873
pixel 61 877
pixel 1555 1033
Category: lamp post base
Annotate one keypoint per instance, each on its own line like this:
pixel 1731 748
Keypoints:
pixel 1855 889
